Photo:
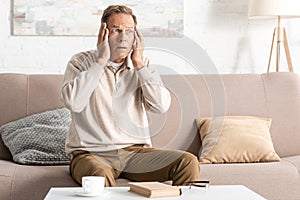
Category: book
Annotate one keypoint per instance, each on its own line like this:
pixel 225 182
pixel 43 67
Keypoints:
pixel 154 189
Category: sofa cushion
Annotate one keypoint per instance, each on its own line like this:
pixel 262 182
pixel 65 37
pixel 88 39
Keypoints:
pixel 39 138
pixel 234 139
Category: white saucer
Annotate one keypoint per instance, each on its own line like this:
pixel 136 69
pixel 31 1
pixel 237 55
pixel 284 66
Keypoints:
pixel 84 194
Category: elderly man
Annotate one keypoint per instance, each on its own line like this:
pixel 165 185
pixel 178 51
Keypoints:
pixel 108 92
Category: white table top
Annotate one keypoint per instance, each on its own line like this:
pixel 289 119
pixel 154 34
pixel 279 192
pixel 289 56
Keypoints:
pixel 221 192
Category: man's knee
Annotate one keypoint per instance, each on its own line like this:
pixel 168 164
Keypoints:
pixel 107 173
pixel 90 165
pixel 186 169
pixel 190 162
pixel 101 172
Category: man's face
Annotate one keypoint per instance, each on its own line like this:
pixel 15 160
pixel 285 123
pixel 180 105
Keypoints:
pixel 121 36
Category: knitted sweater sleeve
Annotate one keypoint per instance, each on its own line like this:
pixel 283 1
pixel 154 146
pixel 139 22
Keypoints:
pixel 80 80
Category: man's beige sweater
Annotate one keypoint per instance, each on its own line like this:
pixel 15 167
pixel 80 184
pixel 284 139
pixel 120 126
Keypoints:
pixel 109 106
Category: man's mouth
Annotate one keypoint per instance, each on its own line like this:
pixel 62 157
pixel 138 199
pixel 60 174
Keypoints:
pixel 124 48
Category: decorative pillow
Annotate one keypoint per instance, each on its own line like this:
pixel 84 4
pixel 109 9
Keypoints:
pixel 236 139
pixel 38 139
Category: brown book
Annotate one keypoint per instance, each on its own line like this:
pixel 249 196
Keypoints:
pixel 154 189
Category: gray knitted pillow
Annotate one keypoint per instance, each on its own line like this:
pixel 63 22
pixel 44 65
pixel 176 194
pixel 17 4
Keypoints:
pixel 38 139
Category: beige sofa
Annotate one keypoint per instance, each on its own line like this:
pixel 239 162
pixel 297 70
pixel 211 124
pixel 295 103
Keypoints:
pixel 275 95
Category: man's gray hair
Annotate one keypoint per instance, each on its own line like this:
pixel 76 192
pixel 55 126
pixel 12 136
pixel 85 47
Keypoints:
pixel 115 9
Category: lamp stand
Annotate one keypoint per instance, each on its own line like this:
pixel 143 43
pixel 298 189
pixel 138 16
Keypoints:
pixel 279 35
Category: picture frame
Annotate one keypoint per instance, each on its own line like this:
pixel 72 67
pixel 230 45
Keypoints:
pixel 156 18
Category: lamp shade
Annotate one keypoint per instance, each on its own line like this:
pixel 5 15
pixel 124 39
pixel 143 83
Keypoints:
pixel 265 9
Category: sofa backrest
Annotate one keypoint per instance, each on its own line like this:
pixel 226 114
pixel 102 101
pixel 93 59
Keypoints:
pixel 273 95
pixel 23 95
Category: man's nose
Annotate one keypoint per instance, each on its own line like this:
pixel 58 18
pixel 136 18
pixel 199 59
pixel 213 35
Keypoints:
pixel 122 36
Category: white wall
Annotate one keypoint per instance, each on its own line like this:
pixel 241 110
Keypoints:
pixel 219 27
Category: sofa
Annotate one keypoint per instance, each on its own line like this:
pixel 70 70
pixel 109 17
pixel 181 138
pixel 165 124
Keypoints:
pixel 273 95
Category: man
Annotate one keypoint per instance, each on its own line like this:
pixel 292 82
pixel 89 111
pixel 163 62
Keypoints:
pixel 108 91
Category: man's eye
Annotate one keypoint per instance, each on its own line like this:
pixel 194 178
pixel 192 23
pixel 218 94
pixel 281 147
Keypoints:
pixel 129 31
pixel 115 30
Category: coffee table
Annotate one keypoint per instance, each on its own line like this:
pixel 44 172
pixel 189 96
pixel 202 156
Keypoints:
pixel 214 192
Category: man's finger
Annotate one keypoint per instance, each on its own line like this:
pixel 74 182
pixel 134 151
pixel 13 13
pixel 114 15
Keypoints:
pixel 106 33
pixel 139 40
pixel 101 33
pixel 139 33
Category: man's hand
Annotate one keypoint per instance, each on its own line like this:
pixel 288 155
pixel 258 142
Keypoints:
pixel 103 46
pixel 138 49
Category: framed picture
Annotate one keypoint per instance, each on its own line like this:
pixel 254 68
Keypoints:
pixel 156 18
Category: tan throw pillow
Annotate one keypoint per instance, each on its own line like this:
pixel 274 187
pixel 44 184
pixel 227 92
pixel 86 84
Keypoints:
pixel 236 139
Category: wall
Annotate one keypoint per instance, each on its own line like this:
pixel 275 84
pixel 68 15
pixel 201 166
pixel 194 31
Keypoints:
pixel 220 29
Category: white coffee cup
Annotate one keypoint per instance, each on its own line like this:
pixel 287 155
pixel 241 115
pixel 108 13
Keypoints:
pixel 93 184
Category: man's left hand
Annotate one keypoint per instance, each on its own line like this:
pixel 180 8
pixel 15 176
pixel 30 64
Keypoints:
pixel 138 50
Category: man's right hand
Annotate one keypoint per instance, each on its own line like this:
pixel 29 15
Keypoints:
pixel 103 45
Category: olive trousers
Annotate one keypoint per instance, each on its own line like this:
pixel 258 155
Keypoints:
pixel 136 163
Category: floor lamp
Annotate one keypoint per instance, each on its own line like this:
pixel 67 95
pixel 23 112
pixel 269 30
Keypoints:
pixel 277 9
